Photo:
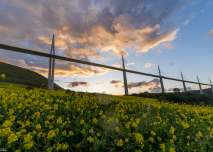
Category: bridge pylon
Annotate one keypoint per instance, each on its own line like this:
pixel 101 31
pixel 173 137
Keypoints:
pixel 51 67
pixel 184 86
pixel 125 80
pixel 201 91
pixel 211 85
pixel 161 81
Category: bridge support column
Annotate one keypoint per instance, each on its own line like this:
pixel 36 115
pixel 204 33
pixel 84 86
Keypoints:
pixel 161 81
pixel 125 80
pixel 201 92
pixel 184 86
pixel 51 67
pixel 211 85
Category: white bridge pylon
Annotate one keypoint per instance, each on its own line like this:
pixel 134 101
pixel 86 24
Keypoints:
pixel 51 67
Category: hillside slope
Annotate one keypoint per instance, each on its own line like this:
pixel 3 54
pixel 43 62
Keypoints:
pixel 18 75
pixel 207 91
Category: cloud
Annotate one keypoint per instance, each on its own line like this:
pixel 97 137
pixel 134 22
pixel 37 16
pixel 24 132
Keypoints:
pixel 17 62
pixel 181 89
pixel 129 64
pixel 153 90
pixel 171 63
pixel 117 66
pixel 115 82
pixel 168 45
pixel 34 8
pixel 210 34
pixel 84 28
pixel 71 70
pixel 159 51
pixel 153 84
pixel 186 22
pixel 116 86
pixel 3 29
pixel 99 83
pixel 148 65
pixel 75 84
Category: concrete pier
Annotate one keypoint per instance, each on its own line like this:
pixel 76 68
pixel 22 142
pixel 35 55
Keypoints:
pixel 201 91
pixel 125 80
pixel 161 81
pixel 211 85
pixel 51 67
pixel 184 86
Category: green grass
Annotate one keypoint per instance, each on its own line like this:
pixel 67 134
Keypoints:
pixel 18 75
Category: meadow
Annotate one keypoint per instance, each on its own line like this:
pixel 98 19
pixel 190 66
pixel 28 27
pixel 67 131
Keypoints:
pixel 50 120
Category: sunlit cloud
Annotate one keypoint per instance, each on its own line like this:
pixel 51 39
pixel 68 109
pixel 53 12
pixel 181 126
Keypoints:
pixel 148 65
pixel 129 64
pixel 117 66
pixel 152 84
pixel 75 84
pixel 116 86
pixel 84 29
pixel 17 62
pixel 3 29
pixel 115 81
pixel 99 83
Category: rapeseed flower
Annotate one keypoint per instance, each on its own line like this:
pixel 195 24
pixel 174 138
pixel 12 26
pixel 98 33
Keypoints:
pixel 172 150
pixel 172 130
pixel 162 146
pixel 153 133
pixel 83 131
pixel 90 139
pixel 95 120
pixel 117 129
pixel 151 139
pixel 120 143
pixel 82 121
pixel 91 131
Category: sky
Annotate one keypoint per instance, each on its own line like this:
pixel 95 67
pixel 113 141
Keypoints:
pixel 175 35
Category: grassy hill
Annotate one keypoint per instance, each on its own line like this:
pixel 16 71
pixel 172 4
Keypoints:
pixel 18 75
pixel 207 91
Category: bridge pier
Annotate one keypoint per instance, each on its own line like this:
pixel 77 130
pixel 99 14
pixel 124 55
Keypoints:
pixel 161 81
pixel 51 67
pixel 201 91
pixel 125 80
pixel 211 85
pixel 184 86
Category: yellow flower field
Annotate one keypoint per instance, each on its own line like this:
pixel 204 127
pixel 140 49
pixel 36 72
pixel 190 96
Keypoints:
pixel 42 120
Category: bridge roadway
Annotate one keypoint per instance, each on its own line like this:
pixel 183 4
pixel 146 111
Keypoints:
pixel 21 50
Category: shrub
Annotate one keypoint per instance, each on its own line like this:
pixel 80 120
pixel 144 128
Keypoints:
pixel 192 98
pixel 29 88
pixel 162 98
pixel 152 96
pixel 134 94
pixel 189 93
pixel 205 96
pixel 69 92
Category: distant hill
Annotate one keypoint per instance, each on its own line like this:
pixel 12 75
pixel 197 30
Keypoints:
pixel 18 75
pixel 207 91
